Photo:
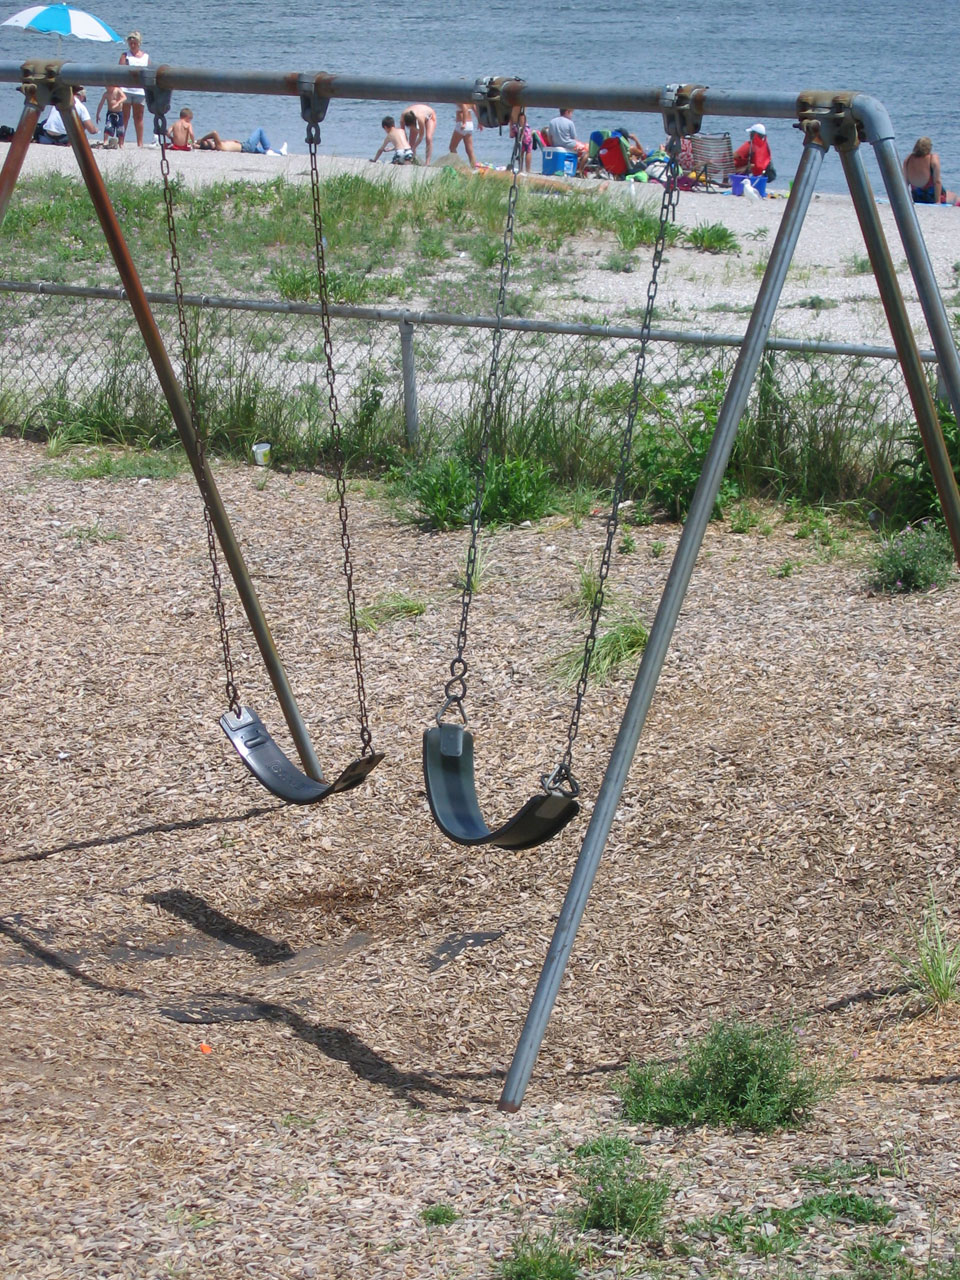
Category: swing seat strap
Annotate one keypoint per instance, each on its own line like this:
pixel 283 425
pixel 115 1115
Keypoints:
pixel 276 772
pixel 448 772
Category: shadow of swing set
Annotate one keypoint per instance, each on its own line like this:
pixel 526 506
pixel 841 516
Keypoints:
pixel 826 120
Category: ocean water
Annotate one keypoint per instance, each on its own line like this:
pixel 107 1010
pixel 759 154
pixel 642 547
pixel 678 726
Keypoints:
pixel 901 54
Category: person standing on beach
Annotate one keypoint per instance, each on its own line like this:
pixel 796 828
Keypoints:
pixel 922 172
pixel 754 156
pixel 463 130
pixel 134 56
pixel 420 122
pixel 114 98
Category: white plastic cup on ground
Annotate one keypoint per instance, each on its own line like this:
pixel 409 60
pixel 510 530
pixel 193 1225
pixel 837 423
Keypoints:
pixel 261 454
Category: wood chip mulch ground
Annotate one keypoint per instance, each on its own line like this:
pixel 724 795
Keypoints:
pixel 241 1039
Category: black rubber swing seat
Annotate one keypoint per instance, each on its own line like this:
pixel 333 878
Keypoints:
pixel 452 793
pixel 276 772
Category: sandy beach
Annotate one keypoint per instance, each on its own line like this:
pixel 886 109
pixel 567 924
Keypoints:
pixel 698 290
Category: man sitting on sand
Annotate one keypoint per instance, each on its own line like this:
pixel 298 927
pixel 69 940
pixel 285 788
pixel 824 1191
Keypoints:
pixel 395 141
pixel 922 172
pixel 258 144
pixel 754 156
pixel 563 136
pixel 181 132
pixel 420 123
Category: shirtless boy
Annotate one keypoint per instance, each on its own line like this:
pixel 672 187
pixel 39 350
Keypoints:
pixel 463 130
pixel 420 123
pixel 395 141
pixel 114 98
pixel 181 132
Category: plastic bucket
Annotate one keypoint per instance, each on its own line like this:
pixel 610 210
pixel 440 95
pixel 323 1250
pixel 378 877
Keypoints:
pixel 736 183
pixel 261 454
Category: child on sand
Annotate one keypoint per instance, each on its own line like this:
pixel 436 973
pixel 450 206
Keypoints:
pixel 114 98
pixel 395 141
pixel 181 132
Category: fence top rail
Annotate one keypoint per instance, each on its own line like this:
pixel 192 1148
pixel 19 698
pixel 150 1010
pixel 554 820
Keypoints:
pixel 453 320
pixel 650 98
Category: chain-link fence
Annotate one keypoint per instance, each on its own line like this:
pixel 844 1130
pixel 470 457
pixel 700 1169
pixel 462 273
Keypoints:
pixel 260 364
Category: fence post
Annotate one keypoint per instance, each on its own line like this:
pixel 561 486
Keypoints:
pixel 409 382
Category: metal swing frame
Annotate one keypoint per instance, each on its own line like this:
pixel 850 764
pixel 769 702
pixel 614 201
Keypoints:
pixel 827 119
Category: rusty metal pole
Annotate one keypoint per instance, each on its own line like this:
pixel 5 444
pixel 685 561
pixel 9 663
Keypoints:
pixel 16 153
pixel 928 422
pixel 180 410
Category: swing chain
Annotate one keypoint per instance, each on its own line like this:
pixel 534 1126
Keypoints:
pixel 562 780
pixel 233 694
pixel 313 138
pixel 455 690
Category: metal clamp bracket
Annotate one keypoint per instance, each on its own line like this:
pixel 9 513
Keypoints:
pixel 493 104
pixel 40 83
pixel 682 112
pixel 157 99
pixel 313 103
pixel 827 119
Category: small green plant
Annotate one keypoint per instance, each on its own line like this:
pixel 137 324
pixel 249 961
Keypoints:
pixel 621 645
pixel 627 544
pixel 859 265
pixel 842 1172
pixel 785 570
pixel 539 1257
pixel 916 559
pixel 712 237
pixel 94 533
pixel 481 569
pixel 657 549
pixel 743 518
pixel 737 1074
pixel 619 1194
pixel 619 261
pixel 813 523
pixel 934 970
pixel 439 1214
pixel 588 582
pixel 387 609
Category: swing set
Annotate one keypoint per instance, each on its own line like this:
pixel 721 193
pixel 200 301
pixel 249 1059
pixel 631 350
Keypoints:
pixel 841 121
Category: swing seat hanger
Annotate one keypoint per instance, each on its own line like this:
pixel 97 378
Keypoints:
pixel 448 772
pixel 276 772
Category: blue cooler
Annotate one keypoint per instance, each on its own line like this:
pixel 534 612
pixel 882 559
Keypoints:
pixel 557 161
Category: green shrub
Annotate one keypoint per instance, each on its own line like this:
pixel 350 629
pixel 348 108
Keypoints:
pixel 712 237
pixel 910 493
pixel 444 491
pixel 538 1258
pixel 618 1193
pixel 737 1075
pixel 917 558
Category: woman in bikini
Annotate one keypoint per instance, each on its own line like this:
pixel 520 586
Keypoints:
pixel 134 57
pixel 922 172
pixel 463 130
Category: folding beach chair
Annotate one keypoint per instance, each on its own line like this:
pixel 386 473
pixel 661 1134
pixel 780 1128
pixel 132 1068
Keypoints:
pixel 711 160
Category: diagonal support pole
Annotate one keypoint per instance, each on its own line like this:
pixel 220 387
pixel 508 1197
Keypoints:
pixel 903 339
pixel 182 418
pixel 17 153
pixel 671 601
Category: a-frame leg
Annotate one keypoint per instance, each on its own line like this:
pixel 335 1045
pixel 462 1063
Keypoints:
pixel 671 601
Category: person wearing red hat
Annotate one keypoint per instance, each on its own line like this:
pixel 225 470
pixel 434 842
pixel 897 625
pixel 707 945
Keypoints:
pixel 754 156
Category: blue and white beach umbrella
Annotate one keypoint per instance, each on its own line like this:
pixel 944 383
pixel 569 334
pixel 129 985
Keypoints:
pixel 62 20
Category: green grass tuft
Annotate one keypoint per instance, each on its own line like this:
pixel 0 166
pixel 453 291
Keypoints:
pixel 539 1257
pixel 621 645
pixel 619 1195
pixel 389 608
pixel 934 970
pixel 438 1215
pixel 737 1075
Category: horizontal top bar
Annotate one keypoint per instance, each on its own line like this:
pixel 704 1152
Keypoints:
pixel 651 98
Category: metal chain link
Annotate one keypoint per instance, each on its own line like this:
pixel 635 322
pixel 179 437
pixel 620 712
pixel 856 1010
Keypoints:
pixel 313 138
pixel 455 690
pixel 233 694
pixel 562 779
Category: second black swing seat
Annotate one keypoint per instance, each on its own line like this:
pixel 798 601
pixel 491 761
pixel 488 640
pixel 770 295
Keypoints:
pixel 448 771
pixel 276 771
